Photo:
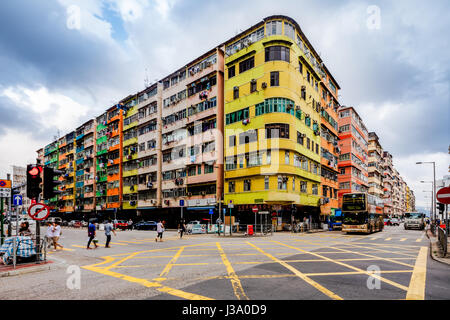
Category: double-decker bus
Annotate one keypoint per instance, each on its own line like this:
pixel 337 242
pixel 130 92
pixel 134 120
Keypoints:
pixel 360 215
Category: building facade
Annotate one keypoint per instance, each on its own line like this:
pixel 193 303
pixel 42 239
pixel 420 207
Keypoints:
pixel 353 160
pixel 375 170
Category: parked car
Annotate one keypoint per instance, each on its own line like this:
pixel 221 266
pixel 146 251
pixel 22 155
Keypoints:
pixel 387 222
pixel 84 224
pixel 395 222
pixel 121 224
pixel 64 223
pixel 145 225
pixel 77 224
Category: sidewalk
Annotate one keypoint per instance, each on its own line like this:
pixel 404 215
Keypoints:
pixel 436 250
pixel 8 270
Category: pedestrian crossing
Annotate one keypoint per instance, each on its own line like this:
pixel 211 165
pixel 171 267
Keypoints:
pixel 126 242
pixel 371 238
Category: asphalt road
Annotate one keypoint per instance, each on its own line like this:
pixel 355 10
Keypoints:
pixel 391 265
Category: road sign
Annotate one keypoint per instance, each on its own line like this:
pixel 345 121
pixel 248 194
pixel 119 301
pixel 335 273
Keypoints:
pixel 264 212
pixel 255 209
pixel 5 184
pixel 181 203
pixel 5 193
pixel 211 211
pixel 17 200
pixel 443 195
pixel 231 205
pixel 39 211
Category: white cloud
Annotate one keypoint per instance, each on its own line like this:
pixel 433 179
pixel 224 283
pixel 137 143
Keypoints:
pixel 54 110
pixel 413 173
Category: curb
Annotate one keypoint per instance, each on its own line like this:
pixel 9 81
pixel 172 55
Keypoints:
pixel 21 271
pixel 433 245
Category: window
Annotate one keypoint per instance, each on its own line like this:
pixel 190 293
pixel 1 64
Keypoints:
pixel 274 28
pixel 300 138
pixel 253 86
pixel 277 53
pixel 277 130
pixel 209 169
pixel 300 67
pixel 282 183
pixel 308 141
pixel 289 30
pixel 317 148
pixel 286 157
pixel 342 170
pixel 308 76
pixel 237 116
pixel 345 128
pixel 303 186
pixel 277 105
pixel 232 141
pixel 231 72
pixel 269 157
pixel 293 184
pixel 241 162
pixel 248 137
pixel 254 159
pixel 275 79
pixel 235 92
pixel 247 64
pixel 266 183
pixel 303 93
pixel 231 187
pixel 315 189
pixel 199 169
pixel 247 185
pixel 231 163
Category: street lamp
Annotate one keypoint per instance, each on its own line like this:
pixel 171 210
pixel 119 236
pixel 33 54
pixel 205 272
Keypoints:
pixel 431 208
pixel 434 185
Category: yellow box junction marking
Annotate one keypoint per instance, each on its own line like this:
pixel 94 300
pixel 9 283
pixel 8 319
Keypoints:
pixel 348 266
pixel 416 290
pixel 171 262
pixel 299 274
pixel 235 282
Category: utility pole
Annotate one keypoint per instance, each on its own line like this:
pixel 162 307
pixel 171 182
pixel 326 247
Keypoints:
pixel 1 213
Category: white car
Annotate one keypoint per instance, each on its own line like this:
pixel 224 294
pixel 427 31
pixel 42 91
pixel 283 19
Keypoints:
pixel 395 222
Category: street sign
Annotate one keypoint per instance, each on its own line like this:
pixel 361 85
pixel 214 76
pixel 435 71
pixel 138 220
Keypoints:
pixel 264 212
pixel 181 203
pixel 17 200
pixel 211 211
pixel 255 209
pixel 443 195
pixel 39 211
pixel 5 193
pixel 231 205
pixel 5 184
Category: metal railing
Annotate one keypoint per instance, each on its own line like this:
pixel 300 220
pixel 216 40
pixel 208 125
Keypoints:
pixel 243 230
pixel 443 240
pixel 19 250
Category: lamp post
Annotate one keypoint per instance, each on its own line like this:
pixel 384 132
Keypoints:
pixel 431 200
pixel 434 185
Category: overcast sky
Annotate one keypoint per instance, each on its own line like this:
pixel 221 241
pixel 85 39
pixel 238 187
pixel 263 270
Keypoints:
pixel 58 69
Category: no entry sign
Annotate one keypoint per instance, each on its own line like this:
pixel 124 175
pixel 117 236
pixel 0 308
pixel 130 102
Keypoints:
pixel 443 195
pixel 255 209
pixel 39 211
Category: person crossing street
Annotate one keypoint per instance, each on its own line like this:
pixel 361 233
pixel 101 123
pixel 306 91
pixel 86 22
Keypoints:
pixel 108 229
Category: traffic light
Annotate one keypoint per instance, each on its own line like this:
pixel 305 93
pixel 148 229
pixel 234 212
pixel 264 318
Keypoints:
pixel 441 207
pixel 34 181
pixel 50 183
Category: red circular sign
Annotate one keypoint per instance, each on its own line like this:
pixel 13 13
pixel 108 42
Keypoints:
pixel 39 211
pixel 255 209
pixel 443 195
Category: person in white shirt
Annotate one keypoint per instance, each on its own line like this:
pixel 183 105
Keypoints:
pixel 56 234
pixel 160 230
pixel 49 234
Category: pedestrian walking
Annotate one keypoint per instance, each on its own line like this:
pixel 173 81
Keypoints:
pixel 49 234
pixel 182 229
pixel 91 235
pixel 130 224
pixel 56 234
pixel 160 230
pixel 108 229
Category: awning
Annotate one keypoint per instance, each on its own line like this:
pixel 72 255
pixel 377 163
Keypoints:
pixel 199 208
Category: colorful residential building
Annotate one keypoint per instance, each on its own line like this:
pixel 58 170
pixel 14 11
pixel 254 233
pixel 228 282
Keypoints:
pixel 375 170
pixel 388 183
pixel 101 163
pixel 353 136
pixel 329 144
pixel 272 122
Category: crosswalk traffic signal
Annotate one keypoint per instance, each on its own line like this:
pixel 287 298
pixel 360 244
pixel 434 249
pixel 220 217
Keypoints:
pixel 34 181
pixel 50 183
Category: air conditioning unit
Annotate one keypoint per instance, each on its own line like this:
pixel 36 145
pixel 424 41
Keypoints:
pixel 245 122
pixel 189 194
pixel 203 193
pixel 264 85
pixel 297 108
